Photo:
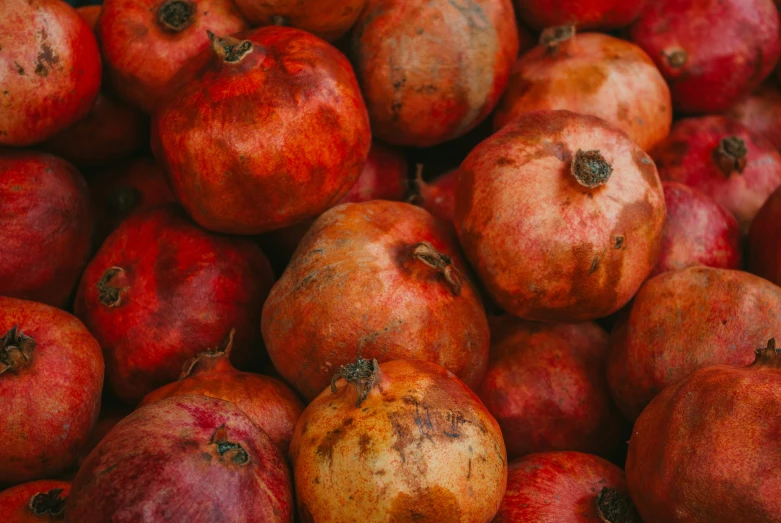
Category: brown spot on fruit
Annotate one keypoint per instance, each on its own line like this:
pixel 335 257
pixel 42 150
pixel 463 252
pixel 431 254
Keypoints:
pixel 434 504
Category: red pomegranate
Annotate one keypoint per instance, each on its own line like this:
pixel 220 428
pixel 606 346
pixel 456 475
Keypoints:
pixel 739 169
pixel 585 14
pixel 46 227
pixel 34 502
pixel 438 196
pixel 764 240
pixel 760 112
pixel 51 70
pixel 379 280
pixel 705 448
pixel 51 376
pixel 551 234
pixel 328 19
pixel 431 71
pixel 712 52
pixel 683 320
pixel 160 290
pixel 401 441
pixel 189 458
pixel 591 73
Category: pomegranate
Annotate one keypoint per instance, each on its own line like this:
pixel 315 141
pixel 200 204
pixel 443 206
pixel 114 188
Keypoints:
pixel 760 112
pixel 34 502
pixel 380 280
pixel 704 449
pixel 711 52
pixel 585 14
pixel 46 227
pixel 431 71
pixel 189 458
pixel 736 167
pixel 51 376
pixel 591 73
pixel 160 290
pixel 328 19
pixel 764 240
pixel 439 195
pixel 401 441
pixel 111 413
pixel 550 233
pixel 683 320
pixel 51 70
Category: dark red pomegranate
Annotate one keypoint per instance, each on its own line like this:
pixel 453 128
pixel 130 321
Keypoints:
pixel 760 112
pixel 51 376
pixel 584 14
pixel 438 196
pixel 764 240
pixel 160 290
pixel 189 458
pixel 46 227
pixel 712 52
pixel 328 19
pixel 34 502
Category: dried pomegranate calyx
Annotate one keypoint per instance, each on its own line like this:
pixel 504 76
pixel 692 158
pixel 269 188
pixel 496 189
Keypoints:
pixel 676 58
pixel 229 49
pixel 16 350
pixel 590 168
pixel 209 358
pixel 363 374
pixel 110 287
pixel 426 253
pixel 769 356
pixel 615 507
pixel 731 155
pixel 47 504
pixel 552 37
pixel 229 450
pixel 176 15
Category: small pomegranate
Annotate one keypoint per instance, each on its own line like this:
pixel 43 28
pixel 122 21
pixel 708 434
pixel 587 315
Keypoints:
pixel 711 52
pixel 189 458
pixel 51 376
pixel 764 240
pixel 328 19
pixel 550 233
pixel 585 14
pixel 34 502
pixel 760 112
pixel 380 280
pixel 160 290
pixel 438 196
pixel 401 441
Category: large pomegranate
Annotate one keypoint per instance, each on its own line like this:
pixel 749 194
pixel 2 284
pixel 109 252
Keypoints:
pixel 764 240
pixel 705 449
pixel 401 441
pixel 712 52
pixel 585 14
pixel 189 458
pixel 160 290
pixel 51 376
pixel 552 235
pixel 432 70
pixel 380 280
pixel 50 67
pixel 683 320
pixel 328 19
pixel 34 502
pixel 438 196
pixel 46 227
pixel 760 112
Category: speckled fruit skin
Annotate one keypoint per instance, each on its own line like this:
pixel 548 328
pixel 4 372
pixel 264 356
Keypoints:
pixel 711 52
pixel 63 375
pixel 705 448
pixel 328 19
pixel 760 112
pixel 592 73
pixel 267 141
pixel 46 227
pixel 438 196
pixel 546 247
pixel 421 447
pixel 585 14
pixel 50 67
pixel 687 156
pixel 172 460
pixel 764 240
pixel 432 70
pixel 160 290
pixel 354 287
pixel 683 320
pixel 15 502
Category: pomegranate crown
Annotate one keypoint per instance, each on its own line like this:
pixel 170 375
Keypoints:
pixel 768 356
pixel 363 374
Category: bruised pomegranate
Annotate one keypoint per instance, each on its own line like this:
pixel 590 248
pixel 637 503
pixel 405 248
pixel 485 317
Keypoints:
pixel 552 235
pixel 764 240
pixel 431 71
pixel 160 290
pixel 584 14
pixel 328 19
pixel 438 196
pixel 189 458
pixel 34 502
pixel 705 448
pixel 683 320
pixel 760 112
pixel 711 52
pixel 51 376
pixel 380 280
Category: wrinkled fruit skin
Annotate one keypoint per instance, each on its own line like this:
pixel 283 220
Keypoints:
pixel 711 52
pixel 546 247
pixel 15 502
pixel 51 70
pixel 688 156
pixel 286 141
pixel 431 71
pixel 764 240
pixel 596 74
pixel 585 14
pixel 760 112
pixel 161 289
pixel 439 196
pixel 64 375
pixel 683 320
pixel 177 460
pixel 47 227
pixel 421 447
pixel 355 288
pixel 328 19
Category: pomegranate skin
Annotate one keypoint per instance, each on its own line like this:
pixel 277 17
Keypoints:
pixel 397 304
pixel 711 52
pixel 51 70
pixel 764 240
pixel 160 290
pixel 328 19
pixel 584 251
pixel 50 350
pixel 432 70
pixel 683 320
pixel 46 227
pixel 34 502
pixel 760 112
pixel 153 466
pixel 585 14
pixel 439 195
